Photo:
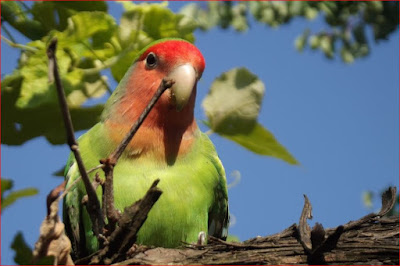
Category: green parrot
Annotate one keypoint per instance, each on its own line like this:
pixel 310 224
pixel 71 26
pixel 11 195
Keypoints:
pixel 168 146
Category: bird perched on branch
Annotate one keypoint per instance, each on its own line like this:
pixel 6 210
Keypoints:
pixel 168 146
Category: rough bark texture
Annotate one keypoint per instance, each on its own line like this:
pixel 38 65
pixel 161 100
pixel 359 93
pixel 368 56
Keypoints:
pixel 373 242
pixel 373 239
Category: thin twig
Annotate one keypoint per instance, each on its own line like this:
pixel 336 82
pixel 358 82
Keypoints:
pixel 164 85
pixel 8 33
pixel 77 180
pixel 109 163
pixel 17 45
pixel 93 205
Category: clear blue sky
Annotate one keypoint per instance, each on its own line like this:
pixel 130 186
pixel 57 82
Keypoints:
pixel 340 121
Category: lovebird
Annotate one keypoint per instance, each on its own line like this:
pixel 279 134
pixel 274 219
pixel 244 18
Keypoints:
pixel 168 146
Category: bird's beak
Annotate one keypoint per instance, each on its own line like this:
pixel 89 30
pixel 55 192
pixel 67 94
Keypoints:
pixel 185 80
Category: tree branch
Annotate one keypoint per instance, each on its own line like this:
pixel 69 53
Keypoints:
pixel 372 239
pixel 93 204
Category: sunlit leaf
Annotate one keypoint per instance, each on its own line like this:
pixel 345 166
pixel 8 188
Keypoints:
pixel 232 107
pixel 301 40
pixel 233 102
pixel 259 140
pixel 78 26
pixel 6 184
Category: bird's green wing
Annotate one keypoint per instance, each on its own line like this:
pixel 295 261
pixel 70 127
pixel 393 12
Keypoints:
pixel 218 215
pixel 72 209
pixel 76 220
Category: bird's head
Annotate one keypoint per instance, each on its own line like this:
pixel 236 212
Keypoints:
pixel 170 125
pixel 167 58
pixel 178 60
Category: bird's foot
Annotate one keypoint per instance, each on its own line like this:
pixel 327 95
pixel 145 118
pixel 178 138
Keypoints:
pixel 201 238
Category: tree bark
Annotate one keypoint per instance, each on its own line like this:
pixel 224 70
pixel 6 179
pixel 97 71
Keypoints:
pixel 373 239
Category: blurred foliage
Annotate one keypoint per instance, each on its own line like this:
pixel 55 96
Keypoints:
pixel 23 253
pixel 369 197
pixel 89 41
pixel 347 21
pixel 8 197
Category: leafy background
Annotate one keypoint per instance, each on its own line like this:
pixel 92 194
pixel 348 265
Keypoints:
pixel 339 121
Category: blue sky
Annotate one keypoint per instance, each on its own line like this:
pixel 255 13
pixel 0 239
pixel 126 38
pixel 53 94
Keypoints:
pixel 339 121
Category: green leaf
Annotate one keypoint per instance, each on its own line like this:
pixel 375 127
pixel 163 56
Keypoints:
pixel 23 253
pixel 84 5
pixel 326 45
pixel 60 172
pixel 302 40
pixel 259 140
pixel 367 198
pixel 6 184
pixel 143 23
pixel 203 19
pixel 78 26
pixel 239 19
pixel 20 126
pixel 30 101
pixel 233 102
pixel 314 42
pixel 12 12
pixel 11 197
pixel 232 107
pixel 15 195
pixel 347 56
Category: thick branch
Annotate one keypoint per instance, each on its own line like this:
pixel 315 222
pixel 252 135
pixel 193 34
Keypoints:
pixel 93 205
pixel 373 239
pixel 375 242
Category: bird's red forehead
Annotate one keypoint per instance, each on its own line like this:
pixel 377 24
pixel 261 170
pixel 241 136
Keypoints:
pixel 176 52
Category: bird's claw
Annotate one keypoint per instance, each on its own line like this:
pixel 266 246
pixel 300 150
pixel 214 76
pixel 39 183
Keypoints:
pixel 201 238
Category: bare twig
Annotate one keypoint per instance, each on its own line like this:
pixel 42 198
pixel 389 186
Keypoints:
pixel 109 163
pixel 164 85
pixel 77 180
pixel 13 44
pixel 93 205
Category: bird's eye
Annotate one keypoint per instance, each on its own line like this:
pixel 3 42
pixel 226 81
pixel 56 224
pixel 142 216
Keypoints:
pixel 151 60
